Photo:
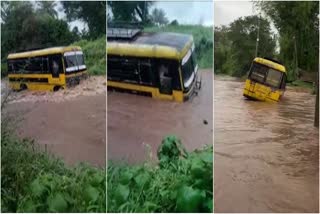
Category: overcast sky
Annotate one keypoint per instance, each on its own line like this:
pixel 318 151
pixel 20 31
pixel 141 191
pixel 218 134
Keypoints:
pixel 226 12
pixel 188 12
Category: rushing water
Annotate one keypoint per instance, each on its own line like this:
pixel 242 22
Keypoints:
pixel 266 155
pixel 135 121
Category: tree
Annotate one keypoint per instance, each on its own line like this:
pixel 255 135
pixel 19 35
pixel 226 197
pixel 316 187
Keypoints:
pixel 158 17
pixel 47 7
pixel 24 26
pixel 174 22
pixel 91 12
pixel 130 11
pixel 298 26
pixel 235 44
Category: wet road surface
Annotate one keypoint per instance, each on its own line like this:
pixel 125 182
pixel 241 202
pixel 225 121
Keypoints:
pixel 70 124
pixel 135 120
pixel 266 155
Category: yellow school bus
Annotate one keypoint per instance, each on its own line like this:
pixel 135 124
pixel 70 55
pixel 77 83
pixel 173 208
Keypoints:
pixel 46 69
pixel 266 80
pixel 161 65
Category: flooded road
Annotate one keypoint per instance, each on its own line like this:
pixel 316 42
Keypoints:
pixel 135 120
pixel 69 123
pixel 266 155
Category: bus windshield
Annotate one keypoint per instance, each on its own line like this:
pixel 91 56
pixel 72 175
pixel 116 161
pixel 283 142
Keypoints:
pixel 265 75
pixel 74 61
pixel 189 68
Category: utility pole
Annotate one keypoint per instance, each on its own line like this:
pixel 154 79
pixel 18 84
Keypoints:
pixel 296 73
pixel 258 35
pixel 316 115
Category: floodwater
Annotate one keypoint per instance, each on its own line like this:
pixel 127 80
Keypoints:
pixel 135 121
pixel 69 123
pixel 266 155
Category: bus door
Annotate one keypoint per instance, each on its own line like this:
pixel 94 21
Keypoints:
pixel 165 79
pixel 56 67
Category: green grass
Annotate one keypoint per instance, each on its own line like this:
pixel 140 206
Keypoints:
pixel 34 181
pixel 300 83
pixel 95 55
pixel 203 38
pixel 181 182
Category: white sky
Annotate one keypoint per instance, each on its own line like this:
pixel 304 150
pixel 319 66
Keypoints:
pixel 187 12
pixel 226 12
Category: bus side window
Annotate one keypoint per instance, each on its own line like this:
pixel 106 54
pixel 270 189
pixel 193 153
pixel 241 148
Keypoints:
pixel 45 66
pixel 55 65
pixel 129 70
pixel 145 72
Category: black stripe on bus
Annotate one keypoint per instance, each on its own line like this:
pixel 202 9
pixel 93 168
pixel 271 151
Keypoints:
pixel 17 79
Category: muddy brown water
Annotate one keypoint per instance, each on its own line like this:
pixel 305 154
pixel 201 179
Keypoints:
pixel 134 121
pixel 70 123
pixel 266 155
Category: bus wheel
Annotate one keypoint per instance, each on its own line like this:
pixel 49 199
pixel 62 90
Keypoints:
pixel 23 87
pixel 56 88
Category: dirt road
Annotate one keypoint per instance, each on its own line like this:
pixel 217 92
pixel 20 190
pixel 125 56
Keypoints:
pixel 266 155
pixel 71 123
pixel 135 120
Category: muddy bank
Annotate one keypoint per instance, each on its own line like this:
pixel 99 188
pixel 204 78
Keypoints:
pixel 135 120
pixel 266 155
pixel 69 123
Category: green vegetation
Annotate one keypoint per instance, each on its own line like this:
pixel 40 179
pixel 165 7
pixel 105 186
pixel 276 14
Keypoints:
pixel 34 181
pixel 95 55
pixel 235 45
pixel 298 46
pixel 203 38
pixel 181 182
pixel 27 25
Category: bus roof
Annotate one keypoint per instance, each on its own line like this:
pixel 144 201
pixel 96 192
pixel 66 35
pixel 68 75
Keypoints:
pixel 159 45
pixel 270 64
pixel 43 52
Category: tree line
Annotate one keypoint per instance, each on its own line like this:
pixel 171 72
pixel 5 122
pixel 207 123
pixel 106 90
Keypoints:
pixel 137 11
pixel 297 24
pixel 29 25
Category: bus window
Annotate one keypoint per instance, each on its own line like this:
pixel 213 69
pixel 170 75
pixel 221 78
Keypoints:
pixel 145 72
pixel 273 78
pixel 123 69
pixel 71 61
pixel 165 79
pixel 80 60
pixel 258 73
pixel 188 68
pixel 45 65
pixel 55 65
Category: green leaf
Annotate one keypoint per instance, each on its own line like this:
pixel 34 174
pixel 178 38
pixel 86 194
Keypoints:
pixel 37 189
pixel 122 193
pixel 197 168
pixel 91 194
pixel 126 177
pixel 57 203
pixel 189 199
pixel 142 179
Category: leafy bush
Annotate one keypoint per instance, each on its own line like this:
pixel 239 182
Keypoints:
pixel 182 182
pixel 34 181
pixel 203 39
pixel 95 55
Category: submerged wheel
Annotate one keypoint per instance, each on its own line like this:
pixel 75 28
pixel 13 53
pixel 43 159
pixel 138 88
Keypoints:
pixel 56 88
pixel 23 87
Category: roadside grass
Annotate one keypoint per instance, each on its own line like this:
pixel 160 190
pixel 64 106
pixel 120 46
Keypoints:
pixel 203 39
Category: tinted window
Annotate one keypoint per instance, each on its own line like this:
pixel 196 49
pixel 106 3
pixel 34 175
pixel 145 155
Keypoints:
pixel 258 72
pixel 274 78
pixel 34 65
